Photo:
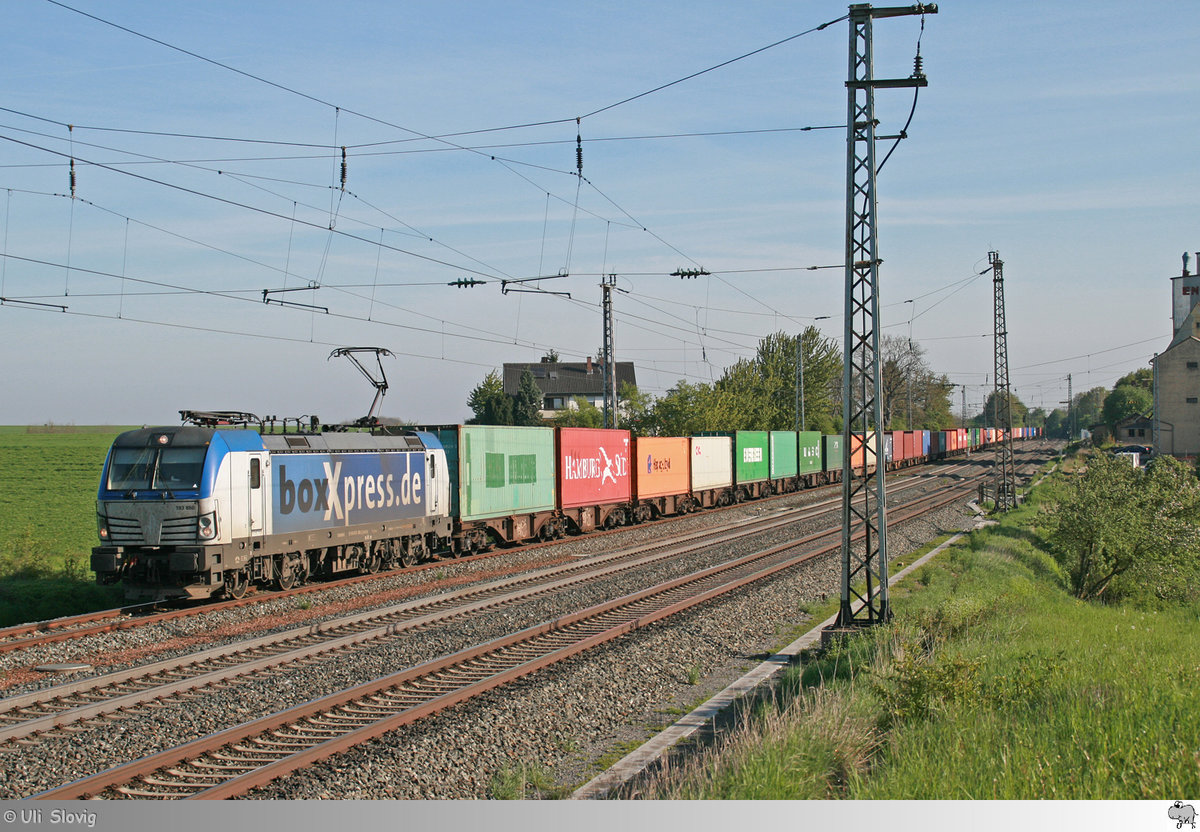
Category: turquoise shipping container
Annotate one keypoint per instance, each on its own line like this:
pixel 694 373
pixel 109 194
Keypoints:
pixel 832 452
pixel 496 471
pixel 783 454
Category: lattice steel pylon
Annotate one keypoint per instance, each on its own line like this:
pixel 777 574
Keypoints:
pixel 1006 478
pixel 864 502
pixel 610 362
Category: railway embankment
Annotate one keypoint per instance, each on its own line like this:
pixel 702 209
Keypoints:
pixel 995 681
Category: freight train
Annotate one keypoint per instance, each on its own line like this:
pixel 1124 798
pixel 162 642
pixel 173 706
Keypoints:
pixel 208 509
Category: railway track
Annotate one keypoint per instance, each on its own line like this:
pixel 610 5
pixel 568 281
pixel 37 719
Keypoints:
pixel 26 717
pixel 232 761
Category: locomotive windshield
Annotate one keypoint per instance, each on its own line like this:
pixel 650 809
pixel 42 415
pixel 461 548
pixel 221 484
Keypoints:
pixel 141 469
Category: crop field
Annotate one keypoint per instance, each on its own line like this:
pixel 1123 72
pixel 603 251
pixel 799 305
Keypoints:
pixel 48 480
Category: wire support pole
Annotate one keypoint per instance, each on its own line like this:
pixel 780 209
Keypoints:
pixel 610 368
pixel 1006 479
pixel 864 584
pixel 864 507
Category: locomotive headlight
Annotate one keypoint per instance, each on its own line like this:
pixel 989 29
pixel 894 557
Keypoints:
pixel 206 528
pixel 102 527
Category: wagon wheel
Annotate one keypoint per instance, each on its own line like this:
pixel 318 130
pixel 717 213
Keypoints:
pixel 286 575
pixel 237 584
pixel 407 556
pixel 372 562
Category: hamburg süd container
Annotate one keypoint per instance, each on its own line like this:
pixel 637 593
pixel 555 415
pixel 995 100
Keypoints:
pixel 593 467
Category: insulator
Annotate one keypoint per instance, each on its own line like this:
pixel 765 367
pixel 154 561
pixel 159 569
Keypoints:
pixel 918 66
pixel 343 168
pixel 579 153
pixel 72 179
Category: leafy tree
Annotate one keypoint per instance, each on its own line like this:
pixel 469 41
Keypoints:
pixel 685 409
pixel 489 402
pixel 551 356
pixel 636 409
pixel 912 396
pixel 1089 407
pixel 760 393
pixel 583 414
pixel 1126 400
pixel 1123 531
pixel 1056 424
pixel 1143 377
pixel 988 417
pixel 528 402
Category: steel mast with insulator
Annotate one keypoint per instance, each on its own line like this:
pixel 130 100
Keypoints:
pixel 1006 478
pixel 610 365
pixel 864 595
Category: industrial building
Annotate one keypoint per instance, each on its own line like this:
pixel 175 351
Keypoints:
pixel 1177 372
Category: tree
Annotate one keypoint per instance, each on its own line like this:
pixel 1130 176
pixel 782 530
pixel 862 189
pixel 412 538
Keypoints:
pixel 912 394
pixel 1143 377
pixel 1089 408
pixel 489 403
pixel 1124 531
pixel 760 393
pixel 635 409
pixel 1124 401
pixel 581 414
pixel 551 356
pixel 526 409
pixel 1057 425
pixel 988 417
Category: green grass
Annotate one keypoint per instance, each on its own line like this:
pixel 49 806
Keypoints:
pixel 48 481
pixel 992 683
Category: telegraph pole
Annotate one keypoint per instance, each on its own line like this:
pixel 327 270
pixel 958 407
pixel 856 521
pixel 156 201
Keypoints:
pixel 864 565
pixel 610 370
pixel 1006 478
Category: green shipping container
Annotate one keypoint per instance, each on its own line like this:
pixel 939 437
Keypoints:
pixel 751 456
pixel 833 452
pixel 783 454
pixel 496 471
pixel 810 452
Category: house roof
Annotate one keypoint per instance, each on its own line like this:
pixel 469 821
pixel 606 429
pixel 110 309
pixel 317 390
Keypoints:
pixel 1135 421
pixel 566 378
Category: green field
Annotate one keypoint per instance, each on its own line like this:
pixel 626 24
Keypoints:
pixel 48 480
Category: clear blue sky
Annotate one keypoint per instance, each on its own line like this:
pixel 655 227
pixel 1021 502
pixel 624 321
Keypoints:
pixel 1063 135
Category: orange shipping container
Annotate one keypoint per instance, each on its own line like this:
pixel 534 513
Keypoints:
pixel 660 466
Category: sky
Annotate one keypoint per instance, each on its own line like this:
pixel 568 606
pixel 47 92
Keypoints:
pixel 206 143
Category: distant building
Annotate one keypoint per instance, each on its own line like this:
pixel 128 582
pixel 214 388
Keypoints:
pixel 560 382
pixel 1134 430
pixel 1177 372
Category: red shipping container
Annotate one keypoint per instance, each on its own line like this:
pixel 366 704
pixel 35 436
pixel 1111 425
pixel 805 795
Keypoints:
pixel 593 467
pixel 660 466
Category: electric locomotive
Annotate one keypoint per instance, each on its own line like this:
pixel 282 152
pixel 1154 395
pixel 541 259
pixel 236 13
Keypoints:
pixel 192 512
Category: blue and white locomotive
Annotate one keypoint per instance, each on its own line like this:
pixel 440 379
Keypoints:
pixel 190 512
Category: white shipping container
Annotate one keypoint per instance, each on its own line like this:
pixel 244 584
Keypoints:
pixel 712 462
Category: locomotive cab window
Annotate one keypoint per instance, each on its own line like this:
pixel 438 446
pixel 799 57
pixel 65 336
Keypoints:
pixel 255 472
pixel 142 469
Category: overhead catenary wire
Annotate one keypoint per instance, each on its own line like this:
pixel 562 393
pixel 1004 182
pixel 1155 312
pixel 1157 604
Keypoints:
pixel 579 146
